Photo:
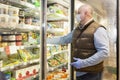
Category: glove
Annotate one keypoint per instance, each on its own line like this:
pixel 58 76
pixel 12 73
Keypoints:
pixel 77 63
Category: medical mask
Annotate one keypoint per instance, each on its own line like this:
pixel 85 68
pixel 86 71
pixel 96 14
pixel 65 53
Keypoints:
pixel 78 18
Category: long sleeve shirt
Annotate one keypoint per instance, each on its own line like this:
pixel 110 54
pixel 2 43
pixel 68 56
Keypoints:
pixel 101 43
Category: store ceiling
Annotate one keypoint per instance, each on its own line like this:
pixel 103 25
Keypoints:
pixel 96 4
pixel 102 7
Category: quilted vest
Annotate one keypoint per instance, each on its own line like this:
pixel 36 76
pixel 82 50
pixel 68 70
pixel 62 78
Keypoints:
pixel 83 45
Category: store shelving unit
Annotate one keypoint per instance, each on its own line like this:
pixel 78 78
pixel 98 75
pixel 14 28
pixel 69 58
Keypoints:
pixel 23 68
pixel 41 31
pixel 57 20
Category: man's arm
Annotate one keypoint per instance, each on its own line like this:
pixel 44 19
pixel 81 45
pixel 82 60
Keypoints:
pixel 61 40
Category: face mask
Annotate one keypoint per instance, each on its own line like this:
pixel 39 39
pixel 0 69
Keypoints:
pixel 78 18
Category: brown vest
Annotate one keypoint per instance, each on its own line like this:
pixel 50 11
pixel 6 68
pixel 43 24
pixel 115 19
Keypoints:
pixel 83 45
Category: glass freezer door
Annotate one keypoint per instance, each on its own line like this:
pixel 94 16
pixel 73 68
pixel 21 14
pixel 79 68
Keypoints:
pixel 57 53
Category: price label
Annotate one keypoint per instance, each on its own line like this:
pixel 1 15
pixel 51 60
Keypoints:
pixel 13 49
pixel 10 50
pixel 7 50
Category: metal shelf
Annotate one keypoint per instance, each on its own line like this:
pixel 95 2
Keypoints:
pixel 57 19
pixel 20 64
pixel 60 52
pixel 61 2
pixel 21 28
pixel 53 68
pixel 25 27
pixel 55 53
pixel 55 30
pixel 22 4
pixel 21 47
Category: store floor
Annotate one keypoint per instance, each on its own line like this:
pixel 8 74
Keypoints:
pixel 110 64
pixel 110 74
pixel 110 67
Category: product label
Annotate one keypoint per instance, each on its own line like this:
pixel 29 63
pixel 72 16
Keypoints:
pixel 13 49
pixel 7 50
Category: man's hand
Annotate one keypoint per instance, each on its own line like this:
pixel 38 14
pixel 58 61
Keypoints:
pixel 77 63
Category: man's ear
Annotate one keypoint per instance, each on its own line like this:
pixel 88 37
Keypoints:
pixel 86 13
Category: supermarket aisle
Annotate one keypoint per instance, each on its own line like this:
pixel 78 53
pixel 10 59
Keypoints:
pixel 109 73
pixel 26 37
pixel 110 65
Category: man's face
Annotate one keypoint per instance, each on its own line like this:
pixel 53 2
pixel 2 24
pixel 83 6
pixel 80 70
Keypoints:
pixel 82 15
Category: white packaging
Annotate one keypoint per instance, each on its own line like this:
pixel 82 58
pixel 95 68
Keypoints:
pixel 13 11
pixel 3 9
pixel 34 69
pixel 1 63
pixel 4 20
pixel 13 21
pixel 19 73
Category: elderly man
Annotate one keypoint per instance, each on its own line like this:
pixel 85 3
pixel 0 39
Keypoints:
pixel 90 45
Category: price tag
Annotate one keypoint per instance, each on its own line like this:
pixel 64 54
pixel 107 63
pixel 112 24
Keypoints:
pixel 12 67
pixel 1 49
pixel 13 49
pixel 7 50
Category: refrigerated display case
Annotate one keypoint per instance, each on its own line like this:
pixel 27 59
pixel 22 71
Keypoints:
pixel 24 27
pixel 57 25
pixel 20 39
pixel 55 61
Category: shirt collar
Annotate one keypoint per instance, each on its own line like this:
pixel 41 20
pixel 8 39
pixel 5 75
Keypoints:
pixel 81 27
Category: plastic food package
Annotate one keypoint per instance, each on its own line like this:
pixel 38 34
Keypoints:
pixel 4 20
pixel 13 21
pixel 3 44
pixel 28 20
pixel 53 62
pixel 18 39
pixel 3 9
pixel 0 37
pixel 13 11
pixel 11 43
pixel 1 63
